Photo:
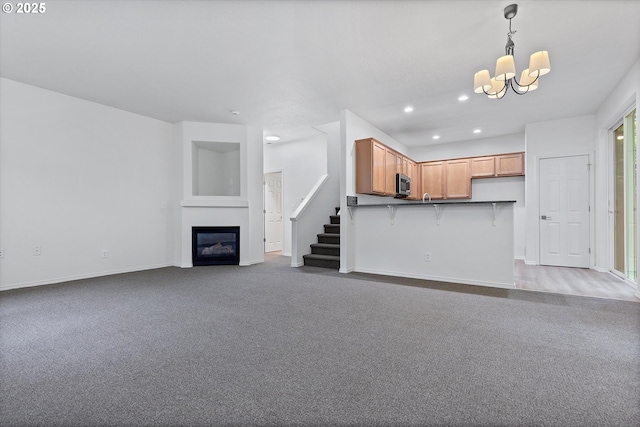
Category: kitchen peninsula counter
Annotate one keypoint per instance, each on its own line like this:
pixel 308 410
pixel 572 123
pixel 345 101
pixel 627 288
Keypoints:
pixel 469 242
pixel 430 203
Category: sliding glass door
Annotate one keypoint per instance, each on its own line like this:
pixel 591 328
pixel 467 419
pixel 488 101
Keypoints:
pixel 625 198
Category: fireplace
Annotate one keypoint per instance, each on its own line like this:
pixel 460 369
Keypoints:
pixel 215 245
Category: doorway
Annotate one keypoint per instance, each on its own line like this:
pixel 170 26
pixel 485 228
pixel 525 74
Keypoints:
pixel 564 211
pixel 624 201
pixel 273 227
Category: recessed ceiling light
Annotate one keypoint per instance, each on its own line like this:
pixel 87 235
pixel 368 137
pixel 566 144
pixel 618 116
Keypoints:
pixel 477 131
pixel 408 109
pixel 463 98
pixel 235 112
pixel 436 136
pixel 272 138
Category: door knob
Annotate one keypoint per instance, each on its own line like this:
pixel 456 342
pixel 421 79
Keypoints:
pixel 545 217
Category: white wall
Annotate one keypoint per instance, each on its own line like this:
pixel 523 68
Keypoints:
pixel 477 147
pixel 625 95
pixel 76 178
pixel 302 163
pixel 564 137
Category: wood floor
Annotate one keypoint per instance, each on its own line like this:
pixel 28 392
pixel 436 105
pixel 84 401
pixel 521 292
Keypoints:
pixel 573 281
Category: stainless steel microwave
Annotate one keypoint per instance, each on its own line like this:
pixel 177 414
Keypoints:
pixel 403 185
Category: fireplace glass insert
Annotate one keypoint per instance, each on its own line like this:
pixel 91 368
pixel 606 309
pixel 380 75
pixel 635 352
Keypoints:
pixel 216 245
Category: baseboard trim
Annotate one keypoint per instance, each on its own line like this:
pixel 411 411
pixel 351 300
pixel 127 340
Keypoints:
pixel 80 277
pixel 440 279
pixel 600 269
pixel 297 264
pixel 246 264
pixel 519 258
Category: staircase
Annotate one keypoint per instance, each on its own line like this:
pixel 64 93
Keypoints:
pixel 326 253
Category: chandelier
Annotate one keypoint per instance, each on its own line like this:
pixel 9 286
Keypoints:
pixel 505 77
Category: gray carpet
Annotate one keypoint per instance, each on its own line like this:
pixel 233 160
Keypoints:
pixel 273 345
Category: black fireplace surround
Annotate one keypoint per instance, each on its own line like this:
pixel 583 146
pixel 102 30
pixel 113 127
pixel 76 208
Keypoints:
pixel 215 245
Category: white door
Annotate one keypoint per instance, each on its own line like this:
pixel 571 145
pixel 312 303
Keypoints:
pixel 564 211
pixel 273 212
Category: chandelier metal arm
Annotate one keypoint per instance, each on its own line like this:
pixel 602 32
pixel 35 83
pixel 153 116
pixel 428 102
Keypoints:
pixel 513 87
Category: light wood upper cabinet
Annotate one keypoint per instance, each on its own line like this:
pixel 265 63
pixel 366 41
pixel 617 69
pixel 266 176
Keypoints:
pixel 483 166
pixel 376 168
pixel 377 165
pixel 458 179
pixel 414 173
pixel 370 166
pixel 391 168
pixel 432 182
pixel 510 164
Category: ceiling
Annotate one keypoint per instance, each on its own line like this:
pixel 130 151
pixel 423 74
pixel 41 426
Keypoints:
pixel 289 66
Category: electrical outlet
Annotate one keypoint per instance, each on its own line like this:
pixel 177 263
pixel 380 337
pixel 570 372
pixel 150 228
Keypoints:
pixel 427 256
pixel 163 205
pixel 105 253
pixel 1 253
pixel 37 250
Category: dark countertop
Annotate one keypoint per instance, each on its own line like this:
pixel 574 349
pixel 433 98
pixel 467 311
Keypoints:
pixel 432 203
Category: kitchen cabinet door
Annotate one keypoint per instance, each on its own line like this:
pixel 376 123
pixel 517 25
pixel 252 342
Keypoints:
pixel 414 174
pixel 458 179
pixel 483 167
pixel 391 159
pixel 510 164
pixel 370 167
pixel 432 181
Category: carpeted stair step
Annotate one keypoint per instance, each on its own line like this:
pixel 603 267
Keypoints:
pixel 332 228
pixel 326 253
pixel 325 249
pixel 324 261
pixel 329 238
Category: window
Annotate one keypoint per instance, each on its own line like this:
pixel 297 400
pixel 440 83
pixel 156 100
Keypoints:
pixel 625 197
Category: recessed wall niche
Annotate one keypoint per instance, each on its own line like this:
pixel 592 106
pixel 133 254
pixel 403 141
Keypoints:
pixel 216 168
